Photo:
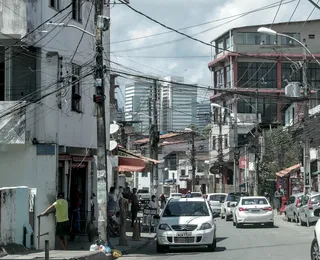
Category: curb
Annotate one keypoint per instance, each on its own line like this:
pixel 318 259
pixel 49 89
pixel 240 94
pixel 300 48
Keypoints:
pixel 136 248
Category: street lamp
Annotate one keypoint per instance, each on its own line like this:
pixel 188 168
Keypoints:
pixel 71 26
pixel 271 32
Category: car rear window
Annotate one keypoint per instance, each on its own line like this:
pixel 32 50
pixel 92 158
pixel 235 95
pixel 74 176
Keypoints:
pixel 315 199
pixel 196 195
pixel 217 197
pixel 232 198
pixel 186 208
pixel 256 201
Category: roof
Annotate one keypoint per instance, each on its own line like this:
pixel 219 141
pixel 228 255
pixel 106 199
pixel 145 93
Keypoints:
pixel 164 136
pixel 288 170
pixel 264 25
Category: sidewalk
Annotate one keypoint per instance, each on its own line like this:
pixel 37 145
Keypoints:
pixel 79 249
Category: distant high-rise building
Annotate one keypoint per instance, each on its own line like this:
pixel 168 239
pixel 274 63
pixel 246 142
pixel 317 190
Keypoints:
pixel 137 97
pixel 178 105
pixel 203 114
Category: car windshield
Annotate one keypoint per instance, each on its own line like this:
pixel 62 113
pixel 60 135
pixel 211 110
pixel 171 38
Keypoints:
pixel 232 197
pixel 176 195
pixel 254 201
pixel 217 197
pixel 196 195
pixel 186 208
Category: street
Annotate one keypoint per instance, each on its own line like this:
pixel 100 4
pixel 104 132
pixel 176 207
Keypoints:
pixel 284 241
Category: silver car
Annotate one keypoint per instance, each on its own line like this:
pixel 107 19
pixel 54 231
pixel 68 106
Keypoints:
pixel 229 203
pixel 216 200
pixel 309 204
pixel 292 207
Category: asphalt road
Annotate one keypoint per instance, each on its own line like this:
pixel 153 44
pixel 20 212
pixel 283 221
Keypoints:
pixel 284 241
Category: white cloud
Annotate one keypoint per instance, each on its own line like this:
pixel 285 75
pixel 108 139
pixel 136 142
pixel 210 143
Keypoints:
pixel 127 24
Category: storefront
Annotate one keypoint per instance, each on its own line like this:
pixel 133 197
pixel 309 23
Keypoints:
pixel 290 180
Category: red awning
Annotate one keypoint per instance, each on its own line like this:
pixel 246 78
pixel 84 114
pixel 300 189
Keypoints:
pixel 127 164
pixel 289 170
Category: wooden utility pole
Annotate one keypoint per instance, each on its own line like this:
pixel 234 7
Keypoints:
pixel 103 133
pixel 154 138
pixel 193 160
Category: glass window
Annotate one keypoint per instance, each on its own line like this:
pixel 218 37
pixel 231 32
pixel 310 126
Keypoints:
pixel 225 141
pixel 186 208
pixel 213 143
pixel 288 41
pixel 228 43
pixel 228 78
pixel 232 197
pixel 217 197
pixel 240 38
pixel 220 78
pixel 254 201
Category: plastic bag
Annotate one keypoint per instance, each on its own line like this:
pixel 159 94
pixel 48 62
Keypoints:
pixel 108 249
pixel 94 247
pixel 102 249
pixel 116 254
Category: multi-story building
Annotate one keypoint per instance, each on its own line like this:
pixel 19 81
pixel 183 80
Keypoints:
pixel 258 67
pixel 178 105
pixel 203 114
pixel 47 116
pixel 138 100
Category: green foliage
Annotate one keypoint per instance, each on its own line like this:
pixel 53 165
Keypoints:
pixel 206 131
pixel 193 127
pixel 281 151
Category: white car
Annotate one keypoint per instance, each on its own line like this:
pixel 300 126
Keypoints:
pixel 315 252
pixel 186 222
pixel 229 203
pixel 253 210
pixel 216 200
pixel 176 195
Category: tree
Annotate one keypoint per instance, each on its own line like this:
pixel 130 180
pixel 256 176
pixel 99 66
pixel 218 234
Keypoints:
pixel 193 127
pixel 281 151
pixel 206 131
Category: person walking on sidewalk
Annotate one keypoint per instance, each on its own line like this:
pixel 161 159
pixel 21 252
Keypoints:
pixel 278 200
pixel 134 206
pixel 63 225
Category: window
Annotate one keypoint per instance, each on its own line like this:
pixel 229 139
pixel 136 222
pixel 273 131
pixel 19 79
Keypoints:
pixel 186 209
pixel 228 43
pixel 182 172
pixel 76 10
pixel 228 77
pixel 217 197
pixel 288 41
pixel 225 141
pixel 76 91
pixel 220 78
pixel 254 201
pixel 144 174
pixel 55 4
pixel 213 143
pixel 312 36
pixel 219 46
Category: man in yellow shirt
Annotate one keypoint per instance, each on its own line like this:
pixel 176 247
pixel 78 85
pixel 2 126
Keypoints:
pixel 63 225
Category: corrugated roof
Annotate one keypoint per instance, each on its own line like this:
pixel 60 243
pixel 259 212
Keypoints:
pixel 164 136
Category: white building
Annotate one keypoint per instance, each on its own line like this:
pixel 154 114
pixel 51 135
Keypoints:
pixel 48 142
pixel 178 105
pixel 137 97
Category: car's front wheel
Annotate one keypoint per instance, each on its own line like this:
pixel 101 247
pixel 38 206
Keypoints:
pixel 160 248
pixel 315 254
pixel 213 246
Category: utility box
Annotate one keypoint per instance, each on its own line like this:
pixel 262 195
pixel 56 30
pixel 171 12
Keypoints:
pixel 293 89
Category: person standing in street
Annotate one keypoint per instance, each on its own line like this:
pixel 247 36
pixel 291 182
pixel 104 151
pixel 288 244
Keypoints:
pixel 278 199
pixel 134 206
pixel 62 225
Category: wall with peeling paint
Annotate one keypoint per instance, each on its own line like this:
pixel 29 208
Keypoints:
pixel 34 171
pixel 14 214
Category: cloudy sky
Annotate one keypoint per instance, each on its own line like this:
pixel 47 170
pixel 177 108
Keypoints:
pixel 172 54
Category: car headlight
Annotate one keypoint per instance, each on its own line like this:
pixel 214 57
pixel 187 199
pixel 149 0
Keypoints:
pixel 164 227
pixel 205 226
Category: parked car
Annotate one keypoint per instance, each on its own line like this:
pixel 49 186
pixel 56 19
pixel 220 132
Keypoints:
pixel 228 204
pixel 315 242
pixel 253 210
pixel 216 200
pixel 309 204
pixel 292 207
pixel 176 195
pixel 186 222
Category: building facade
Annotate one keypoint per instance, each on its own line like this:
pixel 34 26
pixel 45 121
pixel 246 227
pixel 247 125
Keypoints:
pixel 258 67
pixel 47 116
pixel 178 105
pixel 203 114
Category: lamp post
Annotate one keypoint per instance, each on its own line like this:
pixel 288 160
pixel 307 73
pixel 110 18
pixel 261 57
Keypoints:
pixel 306 161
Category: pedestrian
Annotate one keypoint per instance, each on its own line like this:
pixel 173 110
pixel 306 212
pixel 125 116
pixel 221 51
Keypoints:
pixel 134 206
pixel 278 199
pixel 188 195
pixel 112 202
pixel 153 203
pixel 163 200
pixel 62 219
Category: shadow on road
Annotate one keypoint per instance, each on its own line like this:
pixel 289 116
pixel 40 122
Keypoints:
pixel 258 227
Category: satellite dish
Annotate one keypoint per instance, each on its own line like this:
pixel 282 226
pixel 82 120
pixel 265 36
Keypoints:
pixel 114 128
pixel 113 145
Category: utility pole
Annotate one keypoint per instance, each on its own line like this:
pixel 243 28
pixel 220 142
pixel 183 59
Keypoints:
pixel 306 163
pixel 256 177
pixel 154 136
pixel 193 160
pixel 236 154
pixel 150 139
pixel 246 168
pixel 220 153
pixel 103 133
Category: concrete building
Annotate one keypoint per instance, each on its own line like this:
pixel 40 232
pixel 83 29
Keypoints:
pixel 257 66
pixel 178 105
pixel 47 116
pixel 137 98
pixel 203 114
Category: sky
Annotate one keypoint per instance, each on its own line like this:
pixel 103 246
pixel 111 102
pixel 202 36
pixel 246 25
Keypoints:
pixel 175 55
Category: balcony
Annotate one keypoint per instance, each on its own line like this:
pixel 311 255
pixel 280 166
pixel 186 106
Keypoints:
pixel 17 124
pixel 17 18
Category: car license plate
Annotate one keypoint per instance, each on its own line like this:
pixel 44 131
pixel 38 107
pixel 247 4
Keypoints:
pixel 184 234
pixel 255 210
